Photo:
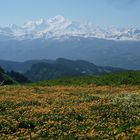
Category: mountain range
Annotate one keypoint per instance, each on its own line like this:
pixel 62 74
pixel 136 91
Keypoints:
pixel 62 28
pixel 60 37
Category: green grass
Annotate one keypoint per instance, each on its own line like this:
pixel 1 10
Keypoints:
pixel 114 79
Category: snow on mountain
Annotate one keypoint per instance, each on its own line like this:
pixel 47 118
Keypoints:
pixel 62 28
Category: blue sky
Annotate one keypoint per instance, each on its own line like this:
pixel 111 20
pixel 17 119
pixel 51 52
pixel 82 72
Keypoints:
pixel 119 13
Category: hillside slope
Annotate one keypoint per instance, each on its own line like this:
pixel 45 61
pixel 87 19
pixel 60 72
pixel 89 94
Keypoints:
pixel 66 68
pixel 113 79
pixel 7 78
pixel 4 78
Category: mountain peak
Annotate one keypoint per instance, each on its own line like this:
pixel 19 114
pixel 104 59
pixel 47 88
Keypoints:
pixel 34 23
pixel 40 21
pixel 56 19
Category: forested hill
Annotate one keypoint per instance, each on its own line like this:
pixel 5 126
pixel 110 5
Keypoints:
pixel 11 77
pixel 66 68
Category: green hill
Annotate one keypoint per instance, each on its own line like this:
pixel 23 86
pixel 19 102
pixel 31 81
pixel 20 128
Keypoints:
pixel 11 78
pixel 66 68
pixel 116 79
pixel 4 78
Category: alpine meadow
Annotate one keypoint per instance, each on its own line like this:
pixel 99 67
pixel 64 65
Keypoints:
pixel 70 70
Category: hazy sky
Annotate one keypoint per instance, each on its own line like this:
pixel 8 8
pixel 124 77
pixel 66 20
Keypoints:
pixel 100 12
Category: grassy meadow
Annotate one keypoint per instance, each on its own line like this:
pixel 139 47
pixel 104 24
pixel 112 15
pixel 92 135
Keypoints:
pixel 69 112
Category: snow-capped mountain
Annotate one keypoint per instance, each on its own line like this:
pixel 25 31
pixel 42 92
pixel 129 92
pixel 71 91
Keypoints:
pixel 62 28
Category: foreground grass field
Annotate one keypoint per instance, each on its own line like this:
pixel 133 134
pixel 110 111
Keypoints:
pixel 69 112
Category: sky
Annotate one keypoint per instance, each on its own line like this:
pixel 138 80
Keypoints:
pixel 119 13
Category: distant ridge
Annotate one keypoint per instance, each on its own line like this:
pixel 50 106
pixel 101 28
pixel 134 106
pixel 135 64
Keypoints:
pixel 65 68
pixel 36 70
